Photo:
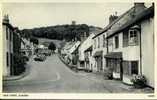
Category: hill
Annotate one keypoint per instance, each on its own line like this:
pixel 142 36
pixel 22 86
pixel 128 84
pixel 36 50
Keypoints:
pixel 59 32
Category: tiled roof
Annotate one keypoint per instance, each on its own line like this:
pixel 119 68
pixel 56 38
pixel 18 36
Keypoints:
pixel 110 25
pixel 121 20
pixel 147 13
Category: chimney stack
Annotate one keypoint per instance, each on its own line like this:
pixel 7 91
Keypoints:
pixel 139 7
pixel 113 18
pixel 139 4
pixel 6 19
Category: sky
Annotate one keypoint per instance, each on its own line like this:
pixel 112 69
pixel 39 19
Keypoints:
pixel 32 15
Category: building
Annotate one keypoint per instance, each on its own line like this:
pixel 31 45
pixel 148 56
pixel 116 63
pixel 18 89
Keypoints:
pixel 99 50
pixel 85 53
pixel 27 47
pixel 7 47
pixel 89 60
pixel 128 51
pixel 70 52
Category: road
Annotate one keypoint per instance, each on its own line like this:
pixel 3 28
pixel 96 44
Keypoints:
pixel 55 77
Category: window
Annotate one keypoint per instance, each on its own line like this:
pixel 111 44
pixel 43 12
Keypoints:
pixel 11 59
pixel 7 59
pixel 98 42
pixel 125 38
pixel 104 41
pixel 134 67
pixel 6 33
pixel 116 41
pixel 95 43
pixel 116 65
pixel 130 67
pixel 133 38
pixel 11 34
pixel 110 42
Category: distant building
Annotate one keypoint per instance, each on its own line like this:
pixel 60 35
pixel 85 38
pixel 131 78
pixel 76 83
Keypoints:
pixel 86 50
pixel 7 47
pixel 73 22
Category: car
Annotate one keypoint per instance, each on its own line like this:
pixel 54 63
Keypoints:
pixel 40 57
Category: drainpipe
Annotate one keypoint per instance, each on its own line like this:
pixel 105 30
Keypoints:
pixel 140 52
pixel 107 45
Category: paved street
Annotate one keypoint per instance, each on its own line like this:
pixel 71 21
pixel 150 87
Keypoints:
pixel 53 76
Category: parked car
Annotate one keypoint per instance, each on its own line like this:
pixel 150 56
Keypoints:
pixel 40 57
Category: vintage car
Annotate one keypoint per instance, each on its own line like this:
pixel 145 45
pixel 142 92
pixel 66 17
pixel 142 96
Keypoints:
pixel 40 57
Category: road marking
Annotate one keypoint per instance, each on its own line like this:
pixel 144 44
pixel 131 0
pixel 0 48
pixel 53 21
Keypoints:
pixel 58 77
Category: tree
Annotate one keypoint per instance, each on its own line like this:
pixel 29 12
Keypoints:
pixel 34 40
pixel 52 46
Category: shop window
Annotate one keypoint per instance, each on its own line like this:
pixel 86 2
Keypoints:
pixel 133 37
pixel 130 67
pixel 134 67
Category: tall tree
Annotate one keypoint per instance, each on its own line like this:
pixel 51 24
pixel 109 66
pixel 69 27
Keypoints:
pixel 52 46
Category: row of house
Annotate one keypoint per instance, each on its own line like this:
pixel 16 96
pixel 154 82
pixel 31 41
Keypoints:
pixel 70 52
pixel 14 46
pixel 125 46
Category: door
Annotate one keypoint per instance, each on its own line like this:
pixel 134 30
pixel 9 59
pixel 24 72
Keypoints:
pixel 121 69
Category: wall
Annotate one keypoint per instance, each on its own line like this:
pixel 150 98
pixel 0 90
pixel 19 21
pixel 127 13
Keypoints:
pixel 85 45
pixel 101 48
pixel 129 53
pixel 5 71
pixel 8 47
pixel 147 33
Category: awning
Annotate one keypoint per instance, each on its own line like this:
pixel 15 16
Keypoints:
pixel 114 55
pixel 89 49
pixel 98 53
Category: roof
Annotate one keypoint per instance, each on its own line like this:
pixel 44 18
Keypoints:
pixel 98 53
pixel 9 25
pixel 89 49
pixel 127 13
pixel 147 13
pixel 114 55
pixel 110 25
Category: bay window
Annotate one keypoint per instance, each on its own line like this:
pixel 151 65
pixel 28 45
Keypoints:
pixel 133 37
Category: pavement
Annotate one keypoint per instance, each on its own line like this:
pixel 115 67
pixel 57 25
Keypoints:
pixel 12 78
pixel 53 76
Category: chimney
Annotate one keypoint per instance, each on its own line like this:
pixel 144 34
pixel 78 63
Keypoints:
pixel 113 18
pixel 139 7
pixel 6 19
pixel 139 4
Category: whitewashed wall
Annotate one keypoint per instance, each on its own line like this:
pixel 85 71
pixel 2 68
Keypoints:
pixel 147 33
pixel 5 72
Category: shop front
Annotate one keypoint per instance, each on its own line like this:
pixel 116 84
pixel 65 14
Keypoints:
pixel 114 64
pixel 99 61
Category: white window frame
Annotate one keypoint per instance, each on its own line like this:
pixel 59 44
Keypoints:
pixel 133 40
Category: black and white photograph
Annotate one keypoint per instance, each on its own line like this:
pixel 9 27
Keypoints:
pixel 77 47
